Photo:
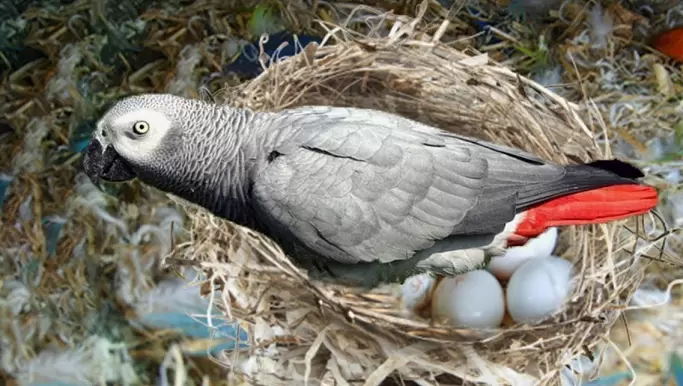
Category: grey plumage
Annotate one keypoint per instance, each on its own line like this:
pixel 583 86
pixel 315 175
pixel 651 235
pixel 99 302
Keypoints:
pixel 352 194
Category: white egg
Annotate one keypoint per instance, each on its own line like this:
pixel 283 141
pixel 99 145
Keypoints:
pixel 416 289
pixel 473 300
pixel 542 246
pixel 538 288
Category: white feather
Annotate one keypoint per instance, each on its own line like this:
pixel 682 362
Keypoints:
pixel 97 361
pixel 26 210
pixel 601 26
pixel 60 86
pixel 18 297
pixel 141 148
pixel 185 80
pixel 90 197
pixel 172 295
pixel 32 156
pixel 542 246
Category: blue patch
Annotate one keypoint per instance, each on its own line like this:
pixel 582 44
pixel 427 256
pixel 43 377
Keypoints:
pixel 676 369
pixel 78 146
pixel 479 25
pixel 52 230
pixel 247 64
pixel 488 37
pixel 5 181
pixel 81 135
pixel 609 380
pixel 222 337
pixel 194 326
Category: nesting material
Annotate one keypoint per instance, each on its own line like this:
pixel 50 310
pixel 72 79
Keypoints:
pixel 356 337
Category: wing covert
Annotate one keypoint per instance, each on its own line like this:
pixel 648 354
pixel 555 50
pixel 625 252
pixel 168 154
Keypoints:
pixel 363 189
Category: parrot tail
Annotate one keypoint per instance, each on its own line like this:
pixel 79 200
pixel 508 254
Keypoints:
pixel 619 200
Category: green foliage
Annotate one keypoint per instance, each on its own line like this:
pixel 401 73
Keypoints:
pixel 538 57
pixel 264 19
pixel 677 152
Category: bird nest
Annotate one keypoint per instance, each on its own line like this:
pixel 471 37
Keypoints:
pixel 301 329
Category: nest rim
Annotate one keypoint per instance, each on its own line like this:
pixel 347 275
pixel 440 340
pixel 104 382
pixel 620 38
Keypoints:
pixel 369 313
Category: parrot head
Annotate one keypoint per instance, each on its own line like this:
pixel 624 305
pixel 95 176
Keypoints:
pixel 136 137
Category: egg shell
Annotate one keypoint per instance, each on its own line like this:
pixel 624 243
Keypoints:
pixel 416 291
pixel 538 288
pixel 472 300
pixel 542 246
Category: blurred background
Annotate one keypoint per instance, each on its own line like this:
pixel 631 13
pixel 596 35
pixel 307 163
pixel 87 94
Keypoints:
pixel 83 300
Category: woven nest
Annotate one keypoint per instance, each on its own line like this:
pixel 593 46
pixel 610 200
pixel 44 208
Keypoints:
pixel 352 336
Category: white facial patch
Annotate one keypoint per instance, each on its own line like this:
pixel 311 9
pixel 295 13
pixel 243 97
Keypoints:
pixel 135 146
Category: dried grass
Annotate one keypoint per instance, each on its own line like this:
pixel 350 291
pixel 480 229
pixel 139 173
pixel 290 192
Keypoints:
pixel 356 337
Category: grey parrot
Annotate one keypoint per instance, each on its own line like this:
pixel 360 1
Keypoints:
pixel 356 196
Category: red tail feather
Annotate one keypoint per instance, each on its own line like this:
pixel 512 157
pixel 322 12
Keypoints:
pixel 589 207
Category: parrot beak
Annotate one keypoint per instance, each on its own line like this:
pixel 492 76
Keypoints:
pixel 105 164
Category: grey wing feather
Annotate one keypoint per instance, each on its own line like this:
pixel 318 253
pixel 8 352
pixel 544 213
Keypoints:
pixel 367 186
pixel 360 187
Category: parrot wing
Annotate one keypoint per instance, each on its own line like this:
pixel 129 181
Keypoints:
pixel 362 186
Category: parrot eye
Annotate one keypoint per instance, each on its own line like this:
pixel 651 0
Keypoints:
pixel 140 127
